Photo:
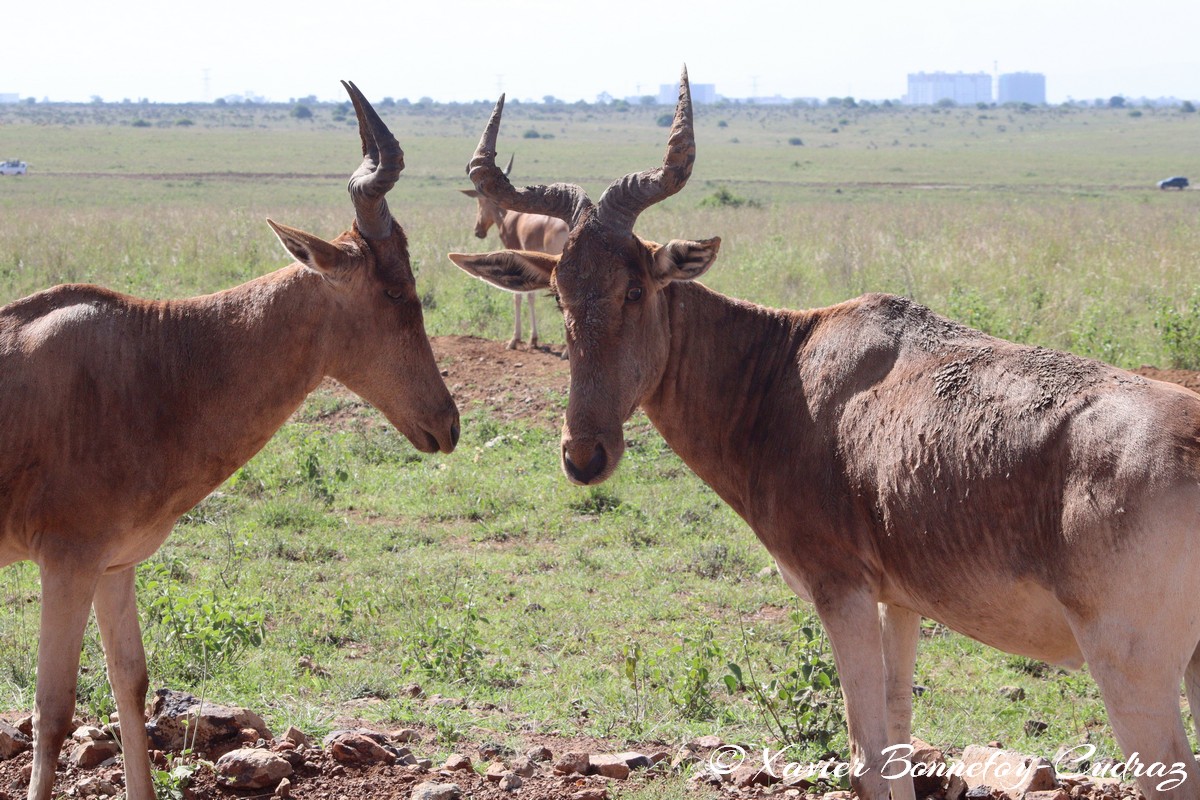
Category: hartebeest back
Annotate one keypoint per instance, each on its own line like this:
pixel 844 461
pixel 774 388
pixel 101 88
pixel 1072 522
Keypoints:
pixel 894 463
pixel 120 414
pixel 536 232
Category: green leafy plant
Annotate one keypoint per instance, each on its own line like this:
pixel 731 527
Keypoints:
pixel 1179 330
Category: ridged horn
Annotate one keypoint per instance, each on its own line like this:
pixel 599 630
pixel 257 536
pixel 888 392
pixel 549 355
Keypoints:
pixel 628 197
pixel 566 201
pixel 383 161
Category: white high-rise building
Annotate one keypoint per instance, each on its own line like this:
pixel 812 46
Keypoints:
pixel 962 88
pixel 1023 87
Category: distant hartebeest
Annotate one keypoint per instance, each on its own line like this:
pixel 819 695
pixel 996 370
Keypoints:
pixel 518 231
pixel 120 414
pixel 894 463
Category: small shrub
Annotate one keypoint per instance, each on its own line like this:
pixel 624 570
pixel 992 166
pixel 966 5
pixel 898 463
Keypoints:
pixel 140 123
pixel 531 134
pixel 184 122
pixel 301 111
pixel 1180 332
pixel 723 198
pixel 665 120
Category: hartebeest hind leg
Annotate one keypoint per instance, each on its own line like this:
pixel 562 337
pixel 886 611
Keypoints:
pixel 852 622
pixel 1141 695
pixel 516 337
pixel 116 614
pixel 66 600
pixel 900 628
pixel 531 298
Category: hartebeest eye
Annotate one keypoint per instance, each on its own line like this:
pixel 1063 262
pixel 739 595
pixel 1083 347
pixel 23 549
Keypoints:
pixel 395 294
pixel 634 294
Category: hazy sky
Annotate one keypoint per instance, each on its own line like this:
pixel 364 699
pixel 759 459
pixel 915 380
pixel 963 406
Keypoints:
pixel 471 49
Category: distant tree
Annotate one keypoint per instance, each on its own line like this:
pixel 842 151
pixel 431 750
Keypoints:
pixel 387 101
pixel 665 120
pixel 648 100
pixel 426 101
pixel 301 111
pixel 1188 107
pixel 621 105
pixel 184 122
pixel 340 111
pixel 1116 101
pixel 550 99
pixel 946 102
pixel 220 101
pixel 848 102
pixel 532 134
pixel 97 98
pixel 29 101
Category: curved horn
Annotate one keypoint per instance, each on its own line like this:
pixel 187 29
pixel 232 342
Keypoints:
pixel 566 201
pixel 628 197
pixel 383 160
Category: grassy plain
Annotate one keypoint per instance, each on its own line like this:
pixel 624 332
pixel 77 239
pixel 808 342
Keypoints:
pixel 616 612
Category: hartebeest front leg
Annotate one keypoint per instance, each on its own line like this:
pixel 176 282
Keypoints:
pixel 116 614
pixel 852 621
pixel 516 337
pixel 66 599
pixel 531 298
pixel 900 628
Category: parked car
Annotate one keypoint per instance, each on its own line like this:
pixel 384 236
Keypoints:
pixel 13 167
pixel 1177 182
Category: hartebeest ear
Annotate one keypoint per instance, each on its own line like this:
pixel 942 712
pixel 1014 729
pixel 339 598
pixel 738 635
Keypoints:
pixel 470 192
pixel 680 260
pixel 311 251
pixel 514 270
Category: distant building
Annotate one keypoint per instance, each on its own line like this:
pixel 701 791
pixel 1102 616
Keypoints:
pixel 962 88
pixel 702 93
pixel 1023 87
pixel 9 98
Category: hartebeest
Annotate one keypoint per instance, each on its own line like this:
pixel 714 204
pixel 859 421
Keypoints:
pixel 518 231
pixel 120 414
pixel 895 464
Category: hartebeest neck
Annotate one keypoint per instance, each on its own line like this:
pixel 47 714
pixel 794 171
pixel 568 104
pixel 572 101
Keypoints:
pixel 715 404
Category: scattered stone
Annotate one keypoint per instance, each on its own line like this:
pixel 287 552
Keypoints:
pixel 25 725
pixel 284 789
pixel 214 728
pixel 983 792
pixel 406 735
pixel 956 787
pixel 658 757
pixel 85 732
pixel 251 769
pixel 1035 727
pixel 591 794
pixel 1050 794
pixel 539 754
pixel 1011 773
pixel 836 796
pixel 746 776
pixel 573 762
pixel 357 750
pixel 436 791
pixel 684 759
pixel 932 764
pixel 1013 693
pixel 456 762
pixel 296 736
pixel 445 702
pixel 490 751
pixel 91 754
pixel 710 742
pixel 12 740
pixel 918 690
pixel 95 786
pixel 412 690
pixel 510 782
pixel 522 766
pixel 306 664
pixel 610 766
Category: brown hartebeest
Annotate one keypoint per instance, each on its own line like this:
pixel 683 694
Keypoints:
pixel 518 231
pixel 895 464
pixel 121 414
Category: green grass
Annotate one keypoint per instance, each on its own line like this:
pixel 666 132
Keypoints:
pixel 613 612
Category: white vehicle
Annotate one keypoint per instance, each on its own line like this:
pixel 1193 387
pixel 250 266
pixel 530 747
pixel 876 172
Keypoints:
pixel 13 167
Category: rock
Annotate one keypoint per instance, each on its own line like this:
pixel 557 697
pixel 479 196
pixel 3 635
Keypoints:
pixel 926 759
pixel 572 763
pixel 251 769
pixel 284 789
pixel 635 760
pixel 510 782
pixel 296 736
pixel 1009 772
pixel 90 754
pixel 1013 693
pixel 1035 727
pixel 216 729
pixel 591 794
pixel 436 791
pixel 412 690
pixel 456 762
pixel 12 741
pixel 406 735
pixel 95 786
pixel 25 725
pixel 375 736
pixel 1049 794
pixel 707 742
pixel 610 766
pixel 490 751
pixel 685 759
pixel 658 756
pixel 86 732
pixel 495 771
pixel 539 754
pixel 746 776
pixel 522 766
pixel 356 750
pixel 956 787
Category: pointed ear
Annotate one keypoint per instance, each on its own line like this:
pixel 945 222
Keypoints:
pixel 514 270
pixel 469 192
pixel 311 251
pixel 680 260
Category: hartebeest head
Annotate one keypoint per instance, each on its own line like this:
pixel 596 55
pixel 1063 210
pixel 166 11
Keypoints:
pixel 489 212
pixel 611 285
pixel 375 337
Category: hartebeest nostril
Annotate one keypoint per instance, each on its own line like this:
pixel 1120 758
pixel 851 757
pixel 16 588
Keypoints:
pixel 454 431
pixel 595 465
